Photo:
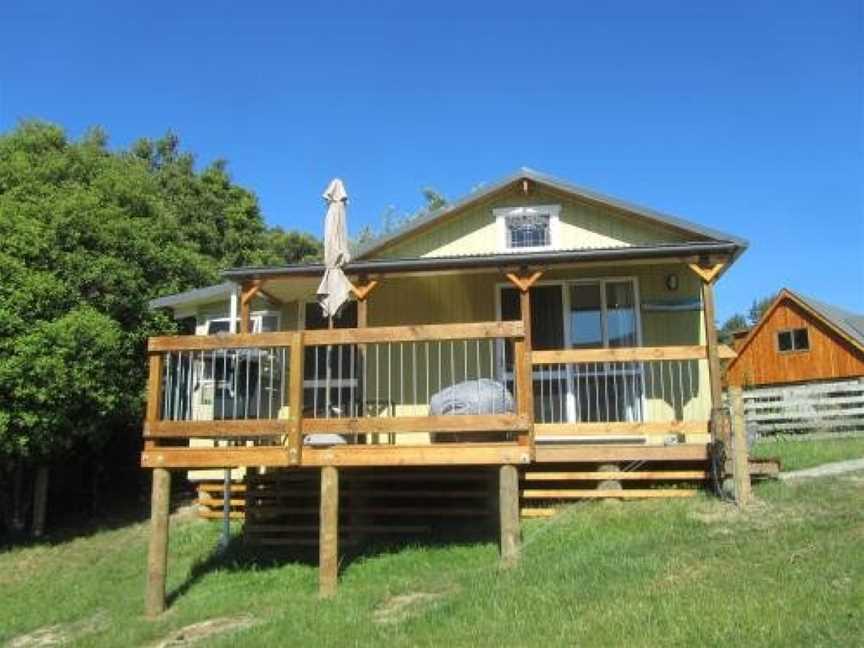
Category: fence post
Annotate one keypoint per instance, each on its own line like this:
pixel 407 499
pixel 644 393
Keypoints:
pixel 294 438
pixel 740 458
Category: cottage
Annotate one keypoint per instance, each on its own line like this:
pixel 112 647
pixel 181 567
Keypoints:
pixel 530 325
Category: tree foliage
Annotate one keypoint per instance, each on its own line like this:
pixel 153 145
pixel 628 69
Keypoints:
pixel 88 236
pixel 739 321
pixel 393 219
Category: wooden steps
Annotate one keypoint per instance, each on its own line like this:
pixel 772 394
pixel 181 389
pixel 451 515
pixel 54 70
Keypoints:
pixel 546 488
pixel 211 498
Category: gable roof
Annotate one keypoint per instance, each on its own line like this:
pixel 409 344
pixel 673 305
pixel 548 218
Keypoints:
pixel 694 230
pixel 848 325
pixel 851 324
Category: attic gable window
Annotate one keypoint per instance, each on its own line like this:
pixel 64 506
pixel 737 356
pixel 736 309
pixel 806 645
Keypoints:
pixel 527 228
pixel 793 340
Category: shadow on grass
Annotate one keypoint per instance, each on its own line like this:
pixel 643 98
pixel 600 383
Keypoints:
pixel 239 556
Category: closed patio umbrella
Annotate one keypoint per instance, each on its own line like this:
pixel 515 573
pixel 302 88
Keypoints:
pixel 335 288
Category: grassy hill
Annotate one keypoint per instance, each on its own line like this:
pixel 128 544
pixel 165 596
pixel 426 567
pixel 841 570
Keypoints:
pixel 690 572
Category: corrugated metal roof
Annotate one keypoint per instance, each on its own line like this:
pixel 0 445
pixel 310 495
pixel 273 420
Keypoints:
pixel 561 185
pixel 195 296
pixel 507 259
pixel 852 324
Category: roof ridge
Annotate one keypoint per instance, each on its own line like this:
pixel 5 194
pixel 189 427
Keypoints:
pixel 540 177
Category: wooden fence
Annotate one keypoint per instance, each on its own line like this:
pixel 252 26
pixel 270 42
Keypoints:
pixel 836 406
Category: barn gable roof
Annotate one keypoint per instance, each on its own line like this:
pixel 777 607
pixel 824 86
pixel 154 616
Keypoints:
pixel 848 325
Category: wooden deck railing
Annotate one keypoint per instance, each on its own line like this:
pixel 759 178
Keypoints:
pixel 357 396
pixel 298 398
pixel 627 392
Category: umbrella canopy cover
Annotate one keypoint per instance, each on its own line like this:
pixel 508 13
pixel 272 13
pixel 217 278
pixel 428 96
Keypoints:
pixel 335 288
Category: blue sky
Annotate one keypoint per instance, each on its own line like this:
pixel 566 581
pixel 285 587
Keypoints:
pixel 746 116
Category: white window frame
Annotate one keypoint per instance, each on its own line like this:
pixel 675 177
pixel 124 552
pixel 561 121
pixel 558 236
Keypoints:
pixel 502 213
pixel 255 319
pixel 564 285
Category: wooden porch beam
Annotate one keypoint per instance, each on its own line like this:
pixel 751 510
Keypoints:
pixel 362 292
pixel 707 273
pixel 247 293
pixel 524 281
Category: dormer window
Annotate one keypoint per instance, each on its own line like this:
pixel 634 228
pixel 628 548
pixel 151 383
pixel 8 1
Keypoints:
pixel 527 228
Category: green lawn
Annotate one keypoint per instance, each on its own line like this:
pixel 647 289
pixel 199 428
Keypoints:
pixel 789 571
pixel 796 453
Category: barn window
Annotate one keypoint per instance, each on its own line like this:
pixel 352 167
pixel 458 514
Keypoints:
pixel 793 340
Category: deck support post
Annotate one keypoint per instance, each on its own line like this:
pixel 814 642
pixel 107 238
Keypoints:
pixel 740 455
pixel 508 507
pixel 40 500
pixel 328 541
pixel 157 557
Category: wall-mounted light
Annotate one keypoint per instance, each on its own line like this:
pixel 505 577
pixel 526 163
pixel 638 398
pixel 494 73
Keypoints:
pixel 672 281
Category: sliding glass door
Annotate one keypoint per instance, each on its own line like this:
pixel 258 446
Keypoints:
pixel 583 314
pixel 603 314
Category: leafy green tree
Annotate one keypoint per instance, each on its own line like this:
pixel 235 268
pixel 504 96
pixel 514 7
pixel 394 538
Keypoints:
pixel 758 308
pixel 87 237
pixel 736 322
pixel 392 219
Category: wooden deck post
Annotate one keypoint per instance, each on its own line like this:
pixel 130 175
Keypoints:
pixel 740 455
pixel 719 422
pixel 294 438
pixel 523 367
pixel 40 501
pixel 157 557
pixel 247 293
pixel 508 506
pixel 362 293
pixel 328 541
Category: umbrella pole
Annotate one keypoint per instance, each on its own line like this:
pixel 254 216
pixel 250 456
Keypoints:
pixel 329 371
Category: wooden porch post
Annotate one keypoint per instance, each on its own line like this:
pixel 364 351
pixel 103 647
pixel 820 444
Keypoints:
pixel 719 422
pixel 294 438
pixel 328 541
pixel 247 293
pixel 362 293
pixel 157 557
pixel 508 507
pixel 523 367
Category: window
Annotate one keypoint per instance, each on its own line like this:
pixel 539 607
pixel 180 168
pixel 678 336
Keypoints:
pixel 527 228
pixel 793 340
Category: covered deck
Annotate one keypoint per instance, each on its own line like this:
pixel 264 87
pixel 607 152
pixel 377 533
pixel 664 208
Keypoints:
pixel 373 397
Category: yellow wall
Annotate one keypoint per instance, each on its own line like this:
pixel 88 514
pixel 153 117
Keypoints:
pixel 471 297
pixel 583 225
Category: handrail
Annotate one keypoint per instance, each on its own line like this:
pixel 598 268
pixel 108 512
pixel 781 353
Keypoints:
pixel 626 354
pixel 421 332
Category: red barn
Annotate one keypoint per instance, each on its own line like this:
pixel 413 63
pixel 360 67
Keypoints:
pixel 799 339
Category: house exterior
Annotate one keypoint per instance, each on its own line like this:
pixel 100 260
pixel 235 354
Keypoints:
pixel 548 332
pixel 799 340
pixel 614 275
